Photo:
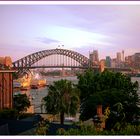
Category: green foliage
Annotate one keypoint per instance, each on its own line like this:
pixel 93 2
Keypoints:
pixel 15 76
pixel 108 88
pixel 83 129
pixel 85 84
pixel 88 106
pixel 130 130
pixel 62 98
pixel 21 102
pixel 25 115
pixel 42 128
pixel 61 131
pixel 13 114
pixel 8 114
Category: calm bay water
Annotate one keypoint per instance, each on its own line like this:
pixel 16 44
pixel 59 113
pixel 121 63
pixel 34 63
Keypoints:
pixel 36 95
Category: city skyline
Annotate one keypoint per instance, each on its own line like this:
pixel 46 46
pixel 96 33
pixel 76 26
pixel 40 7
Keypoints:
pixel 26 29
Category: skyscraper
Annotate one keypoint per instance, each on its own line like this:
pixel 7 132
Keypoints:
pixel 113 63
pixel 94 58
pixel 129 61
pixel 136 60
pixel 118 57
pixel 108 61
pixel 123 55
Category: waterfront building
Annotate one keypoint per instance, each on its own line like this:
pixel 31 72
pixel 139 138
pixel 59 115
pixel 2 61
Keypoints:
pixel 6 61
pixel 6 83
pixel 6 88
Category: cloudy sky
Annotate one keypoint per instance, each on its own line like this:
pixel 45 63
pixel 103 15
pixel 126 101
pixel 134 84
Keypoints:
pixel 25 29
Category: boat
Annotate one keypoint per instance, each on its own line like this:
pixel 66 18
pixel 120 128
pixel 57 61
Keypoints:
pixel 42 83
pixel 25 86
pixel 35 84
pixel 34 87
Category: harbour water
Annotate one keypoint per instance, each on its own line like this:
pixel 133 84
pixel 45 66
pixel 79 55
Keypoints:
pixel 136 79
pixel 36 95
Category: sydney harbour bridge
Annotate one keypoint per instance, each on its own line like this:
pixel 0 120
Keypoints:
pixel 55 58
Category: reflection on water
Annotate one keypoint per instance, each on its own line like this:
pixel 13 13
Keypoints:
pixel 50 80
pixel 36 95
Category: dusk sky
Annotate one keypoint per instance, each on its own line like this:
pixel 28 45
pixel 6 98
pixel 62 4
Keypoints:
pixel 25 29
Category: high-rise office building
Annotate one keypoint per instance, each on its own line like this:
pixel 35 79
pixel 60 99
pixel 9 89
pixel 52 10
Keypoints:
pixel 118 57
pixel 113 63
pixel 123 55
pixel 108 61
pixel 136 60
pixel 129 61
pixel 94 58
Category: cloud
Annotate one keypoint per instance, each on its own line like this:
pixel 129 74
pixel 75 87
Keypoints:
pixel 46 40
pixel 107 28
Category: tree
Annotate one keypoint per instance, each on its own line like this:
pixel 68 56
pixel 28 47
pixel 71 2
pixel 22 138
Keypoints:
pixel 108 88
pixel 62 98
pixel 8 113
pixel 15 75
pixel 21 102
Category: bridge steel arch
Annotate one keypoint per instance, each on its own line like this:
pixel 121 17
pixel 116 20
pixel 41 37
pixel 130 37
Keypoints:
pixel 29 60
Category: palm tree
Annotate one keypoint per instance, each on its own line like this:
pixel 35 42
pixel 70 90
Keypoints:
pixel 62 98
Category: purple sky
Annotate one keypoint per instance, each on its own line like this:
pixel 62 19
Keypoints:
pixel 25 29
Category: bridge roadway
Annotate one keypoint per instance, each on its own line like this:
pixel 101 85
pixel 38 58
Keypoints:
pixel 24 64
pixel 57 66
pixel 80 67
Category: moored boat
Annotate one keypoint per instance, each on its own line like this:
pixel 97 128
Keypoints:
pixel 35 84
